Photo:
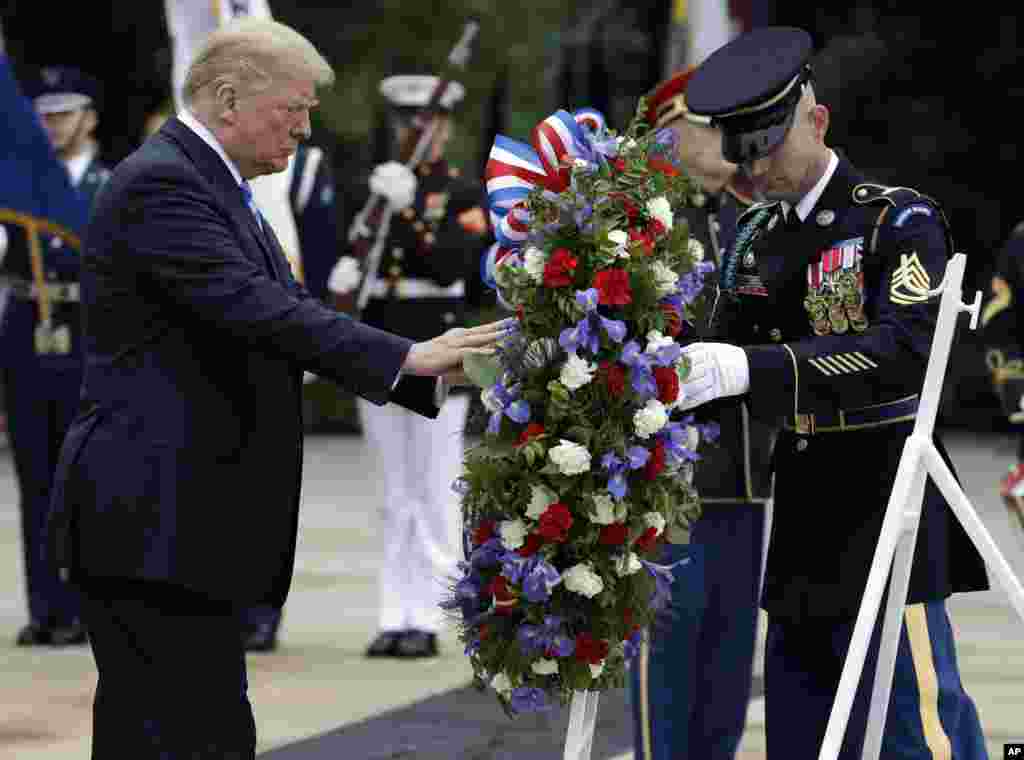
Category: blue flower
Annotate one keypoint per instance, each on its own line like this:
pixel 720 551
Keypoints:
pixel 638 456
pixel 546 638
pixel 529 699
pixel 541 577
pixel 631 647
pixel 510 404
pixel 488 554
pixel 663 578
pixel 616 469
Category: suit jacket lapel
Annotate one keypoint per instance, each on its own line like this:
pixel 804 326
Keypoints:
pixel 213 168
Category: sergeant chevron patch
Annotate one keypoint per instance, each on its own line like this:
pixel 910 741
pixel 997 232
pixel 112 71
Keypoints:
pixel 842 364
pixel 908 281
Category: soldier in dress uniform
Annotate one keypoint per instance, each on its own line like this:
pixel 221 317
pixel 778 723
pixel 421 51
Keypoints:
pixel 1002 321
pixel 833 344
pixel 438 232
pixel 42 363
pixel 312 196
pixel 692 681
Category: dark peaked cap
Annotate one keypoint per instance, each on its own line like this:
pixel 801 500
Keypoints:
pixel 750 87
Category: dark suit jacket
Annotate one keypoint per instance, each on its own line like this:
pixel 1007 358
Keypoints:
pixel 185 461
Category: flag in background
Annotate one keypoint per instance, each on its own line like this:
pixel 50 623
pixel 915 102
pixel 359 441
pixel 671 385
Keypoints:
pixel 189 23
pixel 699 27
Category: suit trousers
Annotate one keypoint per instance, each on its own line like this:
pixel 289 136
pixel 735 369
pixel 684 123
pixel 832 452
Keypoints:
pixel 930 714
pixel 172 679
pixel 417 460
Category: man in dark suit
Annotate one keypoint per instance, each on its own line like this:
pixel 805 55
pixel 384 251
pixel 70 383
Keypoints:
pixel 177 490
pixel 826 326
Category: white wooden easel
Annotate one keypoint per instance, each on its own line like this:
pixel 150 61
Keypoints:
pixel 899 534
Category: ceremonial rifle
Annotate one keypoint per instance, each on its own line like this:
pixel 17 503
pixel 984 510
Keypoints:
pixel 370 228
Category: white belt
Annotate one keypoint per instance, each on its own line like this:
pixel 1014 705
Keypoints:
pixel 413 287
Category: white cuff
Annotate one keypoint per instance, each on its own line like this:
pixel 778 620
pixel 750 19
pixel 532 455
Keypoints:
pixel 734 369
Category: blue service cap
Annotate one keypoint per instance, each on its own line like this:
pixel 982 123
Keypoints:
pixel 62 88
pixel 749 88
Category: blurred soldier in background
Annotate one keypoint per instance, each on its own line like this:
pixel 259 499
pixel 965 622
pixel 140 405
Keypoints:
pixel 1003 335
pixel 42 363
pixel 438 232
pixel 692 681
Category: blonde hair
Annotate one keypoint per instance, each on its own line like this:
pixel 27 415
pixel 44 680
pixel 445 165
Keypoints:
pixel 250 52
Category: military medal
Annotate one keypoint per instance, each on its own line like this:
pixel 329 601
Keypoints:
pixel 837 317
pixel 817 310
pixel 825 218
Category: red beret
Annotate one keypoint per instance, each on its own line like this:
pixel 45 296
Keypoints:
pixel 666 102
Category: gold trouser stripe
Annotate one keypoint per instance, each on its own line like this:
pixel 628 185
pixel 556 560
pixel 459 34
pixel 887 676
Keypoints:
pixel 927 682
pixel 645 704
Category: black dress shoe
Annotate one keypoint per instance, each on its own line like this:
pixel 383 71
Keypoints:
pixel 385 645
pixel 417 644
pixel 33 635
pixel 260 638
pixel 68 635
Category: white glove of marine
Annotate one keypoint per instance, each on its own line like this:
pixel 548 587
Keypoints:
pixel 716 370
pixel 396 182
pixel 345 276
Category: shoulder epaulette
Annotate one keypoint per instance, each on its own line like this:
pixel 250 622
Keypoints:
pixel 749 213
pixel 911 201
pixel 868 192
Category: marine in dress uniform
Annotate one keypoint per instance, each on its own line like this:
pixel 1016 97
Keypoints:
pixel 42 364
pixel 312 196
pixel 823 328
pixel 1002 321
pixel 437 235
pixel 692 681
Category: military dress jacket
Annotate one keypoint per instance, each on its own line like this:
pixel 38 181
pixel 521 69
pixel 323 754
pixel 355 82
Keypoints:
pixel 184 463
pixel 837 335
pixel 312 196
pixel 433 249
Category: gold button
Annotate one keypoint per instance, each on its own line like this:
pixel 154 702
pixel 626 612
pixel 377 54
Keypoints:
pixel 801 445
pixel 428 238
pixel 775 334
pixel 408 213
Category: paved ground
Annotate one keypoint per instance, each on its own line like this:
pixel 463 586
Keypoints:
pixel 318 698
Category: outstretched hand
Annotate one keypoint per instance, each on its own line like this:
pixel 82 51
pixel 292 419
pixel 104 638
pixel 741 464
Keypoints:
pixel 443 355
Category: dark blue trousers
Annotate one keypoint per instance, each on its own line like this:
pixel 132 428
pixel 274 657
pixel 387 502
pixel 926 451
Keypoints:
pixel 930 715
pixel 172 678
pixel 40 406
pixel 691 684
pixel 258 615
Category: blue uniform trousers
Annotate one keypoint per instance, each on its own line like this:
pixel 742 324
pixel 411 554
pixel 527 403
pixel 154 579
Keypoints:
pixel 930 715
pixel 40 405
pixel 690 686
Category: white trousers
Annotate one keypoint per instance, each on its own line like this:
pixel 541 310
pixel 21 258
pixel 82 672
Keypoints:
pixel 417 460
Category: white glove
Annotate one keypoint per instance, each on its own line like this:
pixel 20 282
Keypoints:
pixel 396 182
pixel 716 370
pixel 345 277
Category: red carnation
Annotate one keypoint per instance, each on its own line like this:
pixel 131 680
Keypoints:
pixel 520 314
pixel 484 632
pixel 627 616
pixel 619 164
pixel 614 534
pixel 614 377
pixel 532 431
pixel 663 166
pixel 533 543
pixel 644 237
pixel 589 649
pixel 558 271
pixel 648 541
pixel 656 462
pixel 655 229
pixel 484 532
pixel 504 599
pixel 554 524
pixel 613 287
pixel 631 209
pixel 668 384
pixel 673 321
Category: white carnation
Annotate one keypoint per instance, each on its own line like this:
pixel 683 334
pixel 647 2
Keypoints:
pixel 666 281
pixel 696 249
pixel 544 667
pixel 652 418
pixel 541 497
pixel 655 341
pixel 627 564
pixel 513 533
pixel 605 512
pixel 582 579
pixel 655 520
pixel 619 238
pixel 577 372
pixel 534 262
pixel 489 398
pixel 502 684
pixel 345 276
pixel 661 210
pixel 596 670
pixel 570 458
pixel 504 270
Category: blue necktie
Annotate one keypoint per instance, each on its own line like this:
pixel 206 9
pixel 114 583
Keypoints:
pixel 247 194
